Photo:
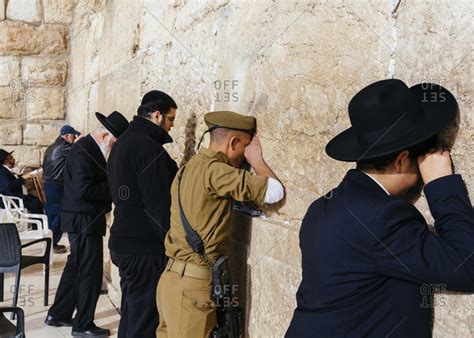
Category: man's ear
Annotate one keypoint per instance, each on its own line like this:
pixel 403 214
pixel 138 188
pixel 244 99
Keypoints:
pixel 402 161
pixel 233 142
pixel 156 116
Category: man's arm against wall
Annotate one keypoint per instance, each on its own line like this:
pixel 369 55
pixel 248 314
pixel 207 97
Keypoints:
pixel 404 247
pixel 253 154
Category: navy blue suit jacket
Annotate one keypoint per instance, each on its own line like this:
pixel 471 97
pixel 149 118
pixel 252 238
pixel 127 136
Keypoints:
pixel 9 184
pixel 370 263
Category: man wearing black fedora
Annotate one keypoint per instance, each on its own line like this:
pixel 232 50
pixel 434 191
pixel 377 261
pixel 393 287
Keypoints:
pixel 85 203
pixel 12 184
pixel 370 263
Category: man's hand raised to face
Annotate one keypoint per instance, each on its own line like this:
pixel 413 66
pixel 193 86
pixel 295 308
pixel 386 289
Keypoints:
pixel 434 164
pixel 253 152
pixel 253 155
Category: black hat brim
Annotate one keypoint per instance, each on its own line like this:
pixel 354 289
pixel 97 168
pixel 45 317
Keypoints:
pixel 439 107
pixel 103 120
pixel 4 155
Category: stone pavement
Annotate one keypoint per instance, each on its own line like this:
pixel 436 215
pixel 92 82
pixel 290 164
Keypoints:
pixel 31 300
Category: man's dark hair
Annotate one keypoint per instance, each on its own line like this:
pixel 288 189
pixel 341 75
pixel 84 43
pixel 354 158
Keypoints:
pixel 381 163
pixel 162 102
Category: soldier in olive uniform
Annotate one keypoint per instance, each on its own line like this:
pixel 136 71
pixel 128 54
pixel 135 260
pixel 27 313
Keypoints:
pixel 212 180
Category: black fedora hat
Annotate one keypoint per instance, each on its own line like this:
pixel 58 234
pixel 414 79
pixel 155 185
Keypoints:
pixel 116 123
pixel 4 154
pixel 387 117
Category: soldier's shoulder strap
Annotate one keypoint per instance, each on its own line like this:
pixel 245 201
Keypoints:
pixel 192 237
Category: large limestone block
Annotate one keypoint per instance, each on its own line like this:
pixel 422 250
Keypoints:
pixel 12 106
pixel 9 70
pixel 11 133
pixel 58 11
pixel 24 10
pixel 54 39
pixel 117 90
pixel 42 133
pixel 2 9
pixel 273 288
pixel 26 156
pixel 77 107
pixel 47 103
pixel 435 45
pixel 21 38
pixel 120 38
pixel 18 38
pixel 44 71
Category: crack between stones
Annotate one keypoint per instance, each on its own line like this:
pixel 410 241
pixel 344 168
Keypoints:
pixel 394 34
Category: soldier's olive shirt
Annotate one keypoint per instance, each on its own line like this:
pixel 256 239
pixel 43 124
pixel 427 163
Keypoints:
pixel 208 186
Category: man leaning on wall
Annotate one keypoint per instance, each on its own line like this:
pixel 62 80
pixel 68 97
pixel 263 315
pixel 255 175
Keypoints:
pixel 85 203
pixel 202 196
pixel 370 262
pixel 140 176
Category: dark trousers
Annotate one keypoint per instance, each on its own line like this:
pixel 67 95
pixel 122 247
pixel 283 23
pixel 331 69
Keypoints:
pixel 80 282
pixel 33 204
pixel 139 275
pixel 54 195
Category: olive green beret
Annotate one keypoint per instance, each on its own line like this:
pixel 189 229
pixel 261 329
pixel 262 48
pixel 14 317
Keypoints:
pixel 231 120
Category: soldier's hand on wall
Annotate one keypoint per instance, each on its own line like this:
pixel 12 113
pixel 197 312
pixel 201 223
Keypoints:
pixel 435 164
pixel 253 152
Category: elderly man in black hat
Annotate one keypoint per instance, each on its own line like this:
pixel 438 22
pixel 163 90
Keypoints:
pixel 85 203
pixel 53 183
pixel 12 184
pixel 370 263
pixel 140 177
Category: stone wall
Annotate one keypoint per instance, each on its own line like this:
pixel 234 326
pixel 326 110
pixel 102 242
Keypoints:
pixel 34 62
pixel 292 64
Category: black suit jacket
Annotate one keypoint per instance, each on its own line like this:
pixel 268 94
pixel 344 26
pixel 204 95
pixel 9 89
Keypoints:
pixel 370 264
pixel 9 184
pixel 140 174
pixel 86 197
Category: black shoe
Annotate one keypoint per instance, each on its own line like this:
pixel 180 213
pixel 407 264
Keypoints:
pixel 59 249
pixel 93 332
pixel 51 321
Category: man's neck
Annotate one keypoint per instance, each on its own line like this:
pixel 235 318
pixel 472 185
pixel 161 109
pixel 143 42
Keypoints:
pixel 215 147
pixel 388 181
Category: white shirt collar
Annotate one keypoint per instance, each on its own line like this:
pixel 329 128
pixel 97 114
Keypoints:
pixel 9 169
pixel 377 181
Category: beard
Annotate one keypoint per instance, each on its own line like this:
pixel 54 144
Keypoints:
pixel 106 147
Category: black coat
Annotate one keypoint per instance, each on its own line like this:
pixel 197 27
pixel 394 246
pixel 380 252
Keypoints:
pixel 370 264
pixel 54 160
pixel 86 197
pixel 140 176
pixel 9 184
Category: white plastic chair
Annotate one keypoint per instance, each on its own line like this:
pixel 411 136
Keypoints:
pixel 15 212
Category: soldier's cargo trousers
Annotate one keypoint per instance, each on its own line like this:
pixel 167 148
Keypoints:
pixel 185 303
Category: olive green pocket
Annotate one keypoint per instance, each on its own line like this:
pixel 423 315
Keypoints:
pixel 198 314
